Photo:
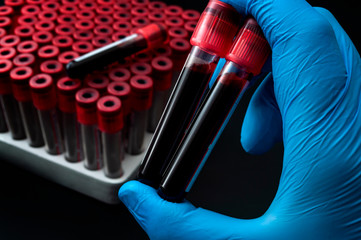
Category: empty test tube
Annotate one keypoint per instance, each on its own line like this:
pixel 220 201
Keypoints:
pixel 44 99
pixel 66 89
pixel 110 119
pixel 86 109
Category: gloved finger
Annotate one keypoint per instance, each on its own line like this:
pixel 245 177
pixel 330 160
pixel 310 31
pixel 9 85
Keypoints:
pixel 262 125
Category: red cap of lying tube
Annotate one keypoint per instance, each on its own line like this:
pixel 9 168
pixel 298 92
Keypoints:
pixel 142 92
pixel 20 83
pixel 250 49
pixel 110 115
pixel 67 88
pixel 155 34
pixel 216 28
pixel 43 91
pixel 86 106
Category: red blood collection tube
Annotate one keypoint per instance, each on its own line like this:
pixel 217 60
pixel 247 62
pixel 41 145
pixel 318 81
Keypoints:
pixel 174 22
pixel 190 15
pixel 189 27
pixel 9 41
pixel 141 68
pixel 30 10
pixel 68 9
pixel 6 11
pixel 162 80
pixel 103 19
pixel 27 20
pixel 88 5
pixel 173 11
pixel 119 74
pixel 81 47
pixel 100 41
pixel 63 42
pixel 177 32
pixel 141 98
pixel 210 42
pixel 98 82
pixel 103 30
pixel 66 19
pixel 81 35
pixel 65 57
pixel 54 68
pixel 159 17
pixel 42 38
pixel 25 32
pixel 8 103
pixel 110 119
pixel 86 110
pixel 145 38
pixel 44 98
pixel 122 6
pixel 157 6
pixel 85 14
pixel 7 53
pixel 21 90
pixel 48 15
pixel 246 58
pixel 145 57
pixel 104 10
pixel 24 59
pixel 66 89
pixel 140 3
pixel 48 52
pixel 180 50
pixel 50 6
pixel 44 25
pixel 28 47
pixel 64 29
pixel 139 22
pixel 5 22
pixel 84 25
pixel 120 26
pixel 164 51
pixel 122 16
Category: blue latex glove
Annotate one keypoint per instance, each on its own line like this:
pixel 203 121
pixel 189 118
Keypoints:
pixel 313 105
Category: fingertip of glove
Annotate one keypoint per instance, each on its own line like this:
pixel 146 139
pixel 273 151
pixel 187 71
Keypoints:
pixel 128 190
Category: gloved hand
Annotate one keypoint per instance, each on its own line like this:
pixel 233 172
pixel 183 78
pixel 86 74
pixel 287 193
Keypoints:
pixel 313 104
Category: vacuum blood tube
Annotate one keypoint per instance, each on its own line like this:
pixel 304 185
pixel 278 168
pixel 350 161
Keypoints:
pixel 210 42
pixel 245 59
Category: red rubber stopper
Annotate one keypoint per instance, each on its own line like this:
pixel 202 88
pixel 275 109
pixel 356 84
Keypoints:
pixel 173 11
pixel 88 5
pixel 20 83
pixel 122 16
pixel 101 41
pixel 50 6
pixel 141 68
pixel 42 37
pixel 139 22
pixel 190 15
pixel 44 25
pixel 164 50
pixel 35 2
pixel 98 82
pixel 140 3
pixel 120 26
pixel 70 2
pixel 66 19
pixel 5 22
pixel 139 12
pixel 48 15
pixel 189 27
pixel 52 67
pixel 83 35
pixel 157 6
pixel 174 22
pixel 142 92
pixel 82 47
pixel 103 30
pixel 119 35
pixel 121 90
pixel 65 57
pixel 119 74
pixel 85 14
pixel 5 83
pixel 48 52
pixel 143 57
pixel 30 10
pixel 159 17
pixel 27 20
pixel 24 31
pixel 68 9
pixel 156 34
pixel 43 91
pixel 162 73
pixel 67 88
pixel 64 29
pixel 24 59
pixel 2 32
pixel 180 50
pixel 103 19
pixel 250 49
pixel 6 11
pixel 84 25
pixel 7 53
pixel 122 6
pixel 63 42
pixel 216 38
pixel 178 32
pixel 110 114
pixel 105 2
pixel 86 109
pixel 28 47
pixel 104 10
pixel 10 41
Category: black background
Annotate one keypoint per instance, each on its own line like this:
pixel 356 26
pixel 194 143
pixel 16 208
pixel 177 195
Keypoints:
pixel 232 182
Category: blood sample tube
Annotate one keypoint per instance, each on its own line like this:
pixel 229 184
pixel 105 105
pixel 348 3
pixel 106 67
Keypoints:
pixel 101 41
pixel 103 19
pixel 64 29
pixel 210 42
pixel 86 110
pixel 83 35
pixel 48 52
pixel 65 57
pixel 173 11
pixel 180 50
pixel 119 74
pixel 42 38
pixel 9 41
pixel 44 25
pixel 48 15
pixel 66 19
pixel 50 6
pixel 27 20
pixel 25 32
pixel 6 23
pixel 28 47
pixel 8 103
pixel 44 99
pixel 122 16
pixel 54 68
pixel 141 98
pixel 98 82
pixel 82 48
pixel 85 14
pixel 162 80
pixel 246 58
pixel 141 68
pixel 21 90
pixel 24 59
pixel 103 30
pixel 157 6
pixel 110 119
pixel 7 53
pixel 30 10
pixel 66 89
pixel 148 37
pixel 177 32
pixel 63 42
pixel 87 5
pixel 84 24
pixel 190 15
pixel 159 17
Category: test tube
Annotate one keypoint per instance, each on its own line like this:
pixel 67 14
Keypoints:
pixel 86 110
pixel 144 38
pixel 44 99
pixel 66 89
pixel 141 98
pixel 162 80
pixel 246 58
pixel 210 42
pixel 8 103
pixel 110 119
pixel 21 90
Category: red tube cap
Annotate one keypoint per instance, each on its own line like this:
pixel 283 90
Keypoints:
pixel 7 53
pixel 64 29
pixel 83 35
pixel 44 25
pixel 48 52
pixel 180 50
pixel 162 73
pixel 120 26
pixel 5 22
pixel 63 42
pixel 86 108
pixel 216 28
pixel 121 90
pixel 140 3
pixel 142 92
pixel 157 6
pixel 98 82
pixel 143 57
pixel 48 15
pixel 24 31
pixel 88 5
pixel 139 12
pixel 164 50
pixel 173 11
pixel 9 41
pixel 50 6
pixel 104 10
pixel 5 83
pixel 85 14
pixel 174 22
pixel 27 20
pixel 82 47
pixel 177 32
pixel 155 34
pixel 28 47
pixel 20 83
pixel 250 49
pixel 110 114
pixel 101 41
pixel 6 11
pixel 24 59
pixel 119 74
pixel 139 22
pixel 30 10
pixel 67 56
pixel 122 16
pixel 157 17
pixel 141 68
pixel 53 68
pixel 43 91
pixel 66 19
pixel 68 9
pixel 103 30
pixel 190 15
pixel 2 32
pixel 84 24
pixel 42 37
pixel 67 89
pixel 103 19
